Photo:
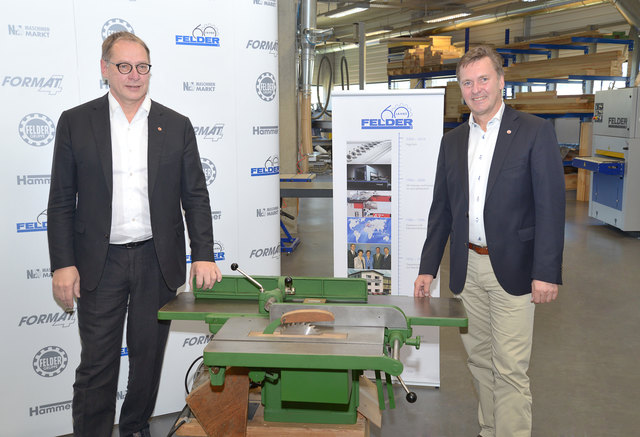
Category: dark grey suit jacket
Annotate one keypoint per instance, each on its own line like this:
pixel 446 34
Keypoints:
pixel 79 210
pixel 524 206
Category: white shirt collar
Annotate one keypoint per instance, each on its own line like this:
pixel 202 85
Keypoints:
pixel 115 106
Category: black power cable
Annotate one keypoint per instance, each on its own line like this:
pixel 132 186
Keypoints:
pixel 324 108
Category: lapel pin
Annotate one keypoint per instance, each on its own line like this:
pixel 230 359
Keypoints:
pixel 160 129
pixel 508 131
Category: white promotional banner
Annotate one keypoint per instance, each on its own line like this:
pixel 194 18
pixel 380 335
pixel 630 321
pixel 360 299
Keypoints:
pixel 385 152
pixel 214 61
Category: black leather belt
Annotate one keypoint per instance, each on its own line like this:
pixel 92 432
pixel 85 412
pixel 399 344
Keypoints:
pixel 480 250
pixel 132 244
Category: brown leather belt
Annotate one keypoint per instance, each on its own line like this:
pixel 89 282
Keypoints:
pixel 480 250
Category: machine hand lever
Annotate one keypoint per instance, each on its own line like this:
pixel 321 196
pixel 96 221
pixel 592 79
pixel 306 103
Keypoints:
pixel 235 267
pixel 411 396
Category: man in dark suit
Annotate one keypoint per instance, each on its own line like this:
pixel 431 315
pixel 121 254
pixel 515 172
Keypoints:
pixel 386 259
pixel 377 259
pixel 499 198
pixel 124 167
pixel 351 255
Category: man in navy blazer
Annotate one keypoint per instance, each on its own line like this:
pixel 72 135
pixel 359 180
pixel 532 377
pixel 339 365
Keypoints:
pixel 124 168
pixel 499 198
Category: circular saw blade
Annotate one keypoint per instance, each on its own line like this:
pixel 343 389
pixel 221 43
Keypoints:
pixel 298 329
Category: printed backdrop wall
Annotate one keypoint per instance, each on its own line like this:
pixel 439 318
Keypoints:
pixel 214 61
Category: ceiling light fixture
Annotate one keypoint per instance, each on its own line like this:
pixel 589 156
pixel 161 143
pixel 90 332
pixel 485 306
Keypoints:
pixel 447 18
pixel 353 8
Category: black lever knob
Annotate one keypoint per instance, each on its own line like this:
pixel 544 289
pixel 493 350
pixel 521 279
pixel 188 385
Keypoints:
pixel 412 397
pixel 234 266
pixel 288 281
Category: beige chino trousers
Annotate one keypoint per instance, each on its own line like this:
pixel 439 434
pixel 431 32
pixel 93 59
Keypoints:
pixel 498 343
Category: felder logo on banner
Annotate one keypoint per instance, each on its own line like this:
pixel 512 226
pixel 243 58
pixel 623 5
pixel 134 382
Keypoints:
pixel 50 361
pixel 270 47
pixel 34 179
pixel 51 85
pixel 209 169
pixel 115 25
pixel 36 129
pixel 29 31
pixel 271 167
pixel 62 319
pixel 191 87
pixel 266 86
pixel 218 250
pixel 212 133
pixel 205 35
pixel 265 130
pixel 391 117
pixel 38 226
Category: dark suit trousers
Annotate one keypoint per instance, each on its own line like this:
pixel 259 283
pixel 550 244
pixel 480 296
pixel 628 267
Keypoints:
pixel 131 284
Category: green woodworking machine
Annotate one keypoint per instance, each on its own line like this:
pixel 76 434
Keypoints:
pixel 306 341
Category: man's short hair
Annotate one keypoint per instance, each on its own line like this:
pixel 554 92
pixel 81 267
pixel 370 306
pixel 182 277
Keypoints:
pixel 108 43
pixel 475 54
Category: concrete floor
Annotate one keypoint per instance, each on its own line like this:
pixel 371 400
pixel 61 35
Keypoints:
pixel 586 351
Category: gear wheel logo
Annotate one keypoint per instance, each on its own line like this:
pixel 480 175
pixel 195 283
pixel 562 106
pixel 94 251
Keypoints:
pixel 209 169
pixel 266 86
pixel 37 129
pixel 50 361
pixel 115 25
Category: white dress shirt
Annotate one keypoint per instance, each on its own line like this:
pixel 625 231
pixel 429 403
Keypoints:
pixel 130 215
pixel 481 147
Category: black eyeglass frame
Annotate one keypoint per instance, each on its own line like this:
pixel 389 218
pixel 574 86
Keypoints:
pixel 129 68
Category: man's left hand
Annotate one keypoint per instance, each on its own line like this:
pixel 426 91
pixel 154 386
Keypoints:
pixel 543 292
pixel 206 273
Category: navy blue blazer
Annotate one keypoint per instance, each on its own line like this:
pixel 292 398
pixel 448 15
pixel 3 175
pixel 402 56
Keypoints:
pixel 524 206
pixel 79 209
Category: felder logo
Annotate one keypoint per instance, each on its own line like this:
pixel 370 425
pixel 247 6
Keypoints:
pixel 115 25
pixel 36 130
pixel 50 361
pixel 209 169
pixel 266 86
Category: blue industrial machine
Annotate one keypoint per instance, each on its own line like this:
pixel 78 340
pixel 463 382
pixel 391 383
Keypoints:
pixel 615 165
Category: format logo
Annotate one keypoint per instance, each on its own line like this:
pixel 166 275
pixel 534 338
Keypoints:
pixel 209 169
pixel 208 87
pixel 218 251
pixel 272 3
pixel 115 25
pixel 34 179
pixel 271 167
pixel 618 122
pixel 29 31
pixel 39 225
pixel 43 273
pixel 51 85
pixel 213 133
pixel 273 252
pixel 197 341
pixel 391 117
pixel 216 215
pixel 265 130
pixel 206 35
pixel 62 319
pixel 266 86
pixel 37 130
pixel 41 410
pixel 268 212
pixel 270 47
pixel 50 361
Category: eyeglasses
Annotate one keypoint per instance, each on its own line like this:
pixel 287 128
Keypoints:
pixel 125 67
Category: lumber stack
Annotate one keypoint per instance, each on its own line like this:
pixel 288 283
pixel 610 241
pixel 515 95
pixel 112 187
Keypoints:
pixel 548 102
pixel 599 64
pixel 425 57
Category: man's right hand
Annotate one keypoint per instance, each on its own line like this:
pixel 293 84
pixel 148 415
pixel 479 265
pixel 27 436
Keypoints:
pixel 66 286
pixel 422 286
